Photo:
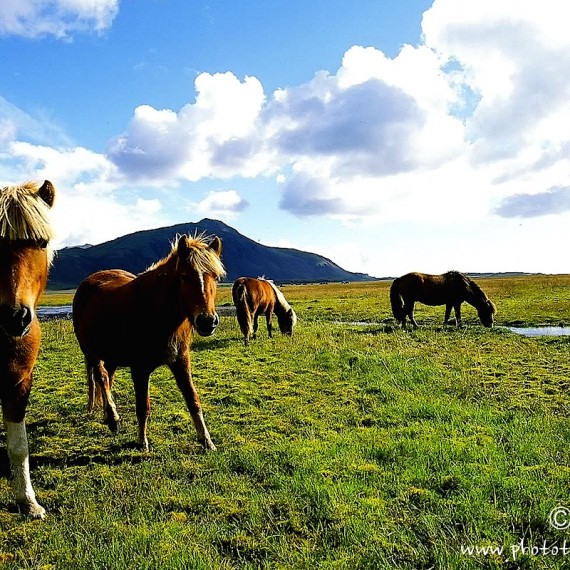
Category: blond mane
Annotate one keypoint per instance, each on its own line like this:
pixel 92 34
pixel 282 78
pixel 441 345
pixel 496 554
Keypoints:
pixel 24 215
pixel 200 256
pixel 278 294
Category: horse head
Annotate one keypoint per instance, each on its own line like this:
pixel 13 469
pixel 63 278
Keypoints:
pixel 287 321
pixel 198 269
pixel 487 313
pixel 24 255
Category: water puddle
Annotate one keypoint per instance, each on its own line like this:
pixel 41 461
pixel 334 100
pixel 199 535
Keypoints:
pixel 357 323
pixel 49 313
pixel 541 331
pixel 64 312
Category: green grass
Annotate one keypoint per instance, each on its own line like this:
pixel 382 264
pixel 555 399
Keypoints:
pixel 347 446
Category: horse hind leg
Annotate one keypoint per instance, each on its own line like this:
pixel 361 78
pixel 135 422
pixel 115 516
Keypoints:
pixel 447 316
pixel 102 379
pixel 93 389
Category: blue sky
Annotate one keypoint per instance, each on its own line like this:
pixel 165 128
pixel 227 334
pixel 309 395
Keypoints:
pixel 389 136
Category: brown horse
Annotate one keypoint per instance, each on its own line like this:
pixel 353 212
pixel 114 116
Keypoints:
pixel 450 289
pixel 252 297
pixel 145 321
pixel 25 233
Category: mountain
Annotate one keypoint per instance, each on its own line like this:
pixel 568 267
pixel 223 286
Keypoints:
pixel 241 256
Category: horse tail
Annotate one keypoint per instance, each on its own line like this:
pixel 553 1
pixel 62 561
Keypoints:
pixel 396 301
pixel 93 388
pixel 244 316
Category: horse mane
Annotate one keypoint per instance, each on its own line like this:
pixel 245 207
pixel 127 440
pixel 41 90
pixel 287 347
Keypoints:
pixel 24 215
pixel 281 301
pixel 471 287
pixel 200 256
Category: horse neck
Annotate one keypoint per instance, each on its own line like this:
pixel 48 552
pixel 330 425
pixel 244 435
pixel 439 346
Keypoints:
pixel 474 295
pixel 281 305
pixel 160 287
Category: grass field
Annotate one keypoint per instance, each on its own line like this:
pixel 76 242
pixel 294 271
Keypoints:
pixel 351 445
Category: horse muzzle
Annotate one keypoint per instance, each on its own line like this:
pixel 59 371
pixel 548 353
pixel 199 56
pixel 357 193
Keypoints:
pixel 16 321
pixel 206 323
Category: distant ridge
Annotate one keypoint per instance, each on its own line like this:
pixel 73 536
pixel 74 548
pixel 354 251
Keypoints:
pixel 241 255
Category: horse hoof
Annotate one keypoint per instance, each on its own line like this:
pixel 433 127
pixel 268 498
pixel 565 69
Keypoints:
pixel 33 510
pixel 114 424
pixel 208 445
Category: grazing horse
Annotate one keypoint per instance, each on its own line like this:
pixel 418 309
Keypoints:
pixel 252 297
pixel 449 289
pixel 144 321
pixel 25 233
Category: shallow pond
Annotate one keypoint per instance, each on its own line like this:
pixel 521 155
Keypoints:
pixel 59 312
pixel 64 312
pixel 541 331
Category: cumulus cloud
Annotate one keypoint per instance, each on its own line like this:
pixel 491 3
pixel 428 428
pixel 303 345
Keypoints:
pixel 553 201
pixel 304 195
pixel 474 114
pixel 195 142
pixel 81 216
pixel 224 204
pixel 511 56
pixel 59 18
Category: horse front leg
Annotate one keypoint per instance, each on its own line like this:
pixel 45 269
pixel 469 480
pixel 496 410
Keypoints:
pixel 268 316
pixel 448 308
pixel 18 453
pixel 141 384
pixel 181 370
pixel 255 325
pixel 457 309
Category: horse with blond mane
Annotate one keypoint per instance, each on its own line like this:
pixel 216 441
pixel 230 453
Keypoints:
pixel 450 289
pixel 144 321
pixel 253 297
pixel 25 257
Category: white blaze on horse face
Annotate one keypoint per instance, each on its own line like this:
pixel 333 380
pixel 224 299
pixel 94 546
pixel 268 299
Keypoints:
pixel 201 280
pixel 17 444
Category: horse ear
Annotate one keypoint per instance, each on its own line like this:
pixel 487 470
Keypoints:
pixel 216 246
pixel 47 193
pixel 182 246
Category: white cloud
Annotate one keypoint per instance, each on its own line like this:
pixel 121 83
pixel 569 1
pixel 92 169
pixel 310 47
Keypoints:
pixel 514 57
pixel 59 18
pixel 471 122
pixel 224 204
pixel 88 217
pixel 210 137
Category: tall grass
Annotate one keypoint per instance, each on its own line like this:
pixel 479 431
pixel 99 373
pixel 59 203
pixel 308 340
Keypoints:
pixel 347 446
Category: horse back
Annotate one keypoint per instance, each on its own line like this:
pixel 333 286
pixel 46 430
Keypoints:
pixel 101 289
pixel 101 306
pixel 256 293
pixel 428 289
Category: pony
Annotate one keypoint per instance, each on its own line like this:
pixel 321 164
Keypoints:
pixel 450 289
pixel 252 297
pixel 25 258
pixel 144 321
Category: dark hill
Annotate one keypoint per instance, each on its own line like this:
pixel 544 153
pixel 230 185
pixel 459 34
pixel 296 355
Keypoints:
pixel 241 256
